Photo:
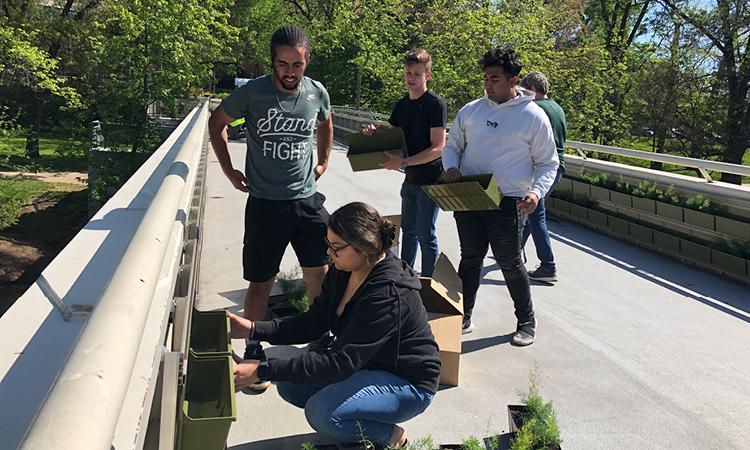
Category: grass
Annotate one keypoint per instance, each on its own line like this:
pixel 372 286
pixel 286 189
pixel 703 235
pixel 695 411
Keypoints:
pixel 57 154
pixel 17 192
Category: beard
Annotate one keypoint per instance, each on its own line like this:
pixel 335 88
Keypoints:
pixel 287 86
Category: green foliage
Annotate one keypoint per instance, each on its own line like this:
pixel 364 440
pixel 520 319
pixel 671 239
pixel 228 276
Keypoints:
pixel 308 446
pixel 425 443
pixel 539 429
pixel 295 291
pixel 57 154
pixel 647 190
pixel 472 443
pixel 18 192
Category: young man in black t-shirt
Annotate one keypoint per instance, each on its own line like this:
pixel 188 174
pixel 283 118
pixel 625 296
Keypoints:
pixel 423 116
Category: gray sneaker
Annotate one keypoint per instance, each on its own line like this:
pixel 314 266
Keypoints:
pixel 524 334
pixel 467 327
pixel 544 273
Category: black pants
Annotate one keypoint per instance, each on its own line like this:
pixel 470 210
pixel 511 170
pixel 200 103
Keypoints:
pixel 501 230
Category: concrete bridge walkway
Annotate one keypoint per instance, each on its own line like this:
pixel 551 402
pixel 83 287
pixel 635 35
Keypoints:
pixel 636 351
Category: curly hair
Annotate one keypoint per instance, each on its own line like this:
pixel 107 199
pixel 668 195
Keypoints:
pixel 507 59
pixel 536 81
pixel 292 36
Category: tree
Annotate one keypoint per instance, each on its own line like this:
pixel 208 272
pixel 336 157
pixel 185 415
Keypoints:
pixel 727 30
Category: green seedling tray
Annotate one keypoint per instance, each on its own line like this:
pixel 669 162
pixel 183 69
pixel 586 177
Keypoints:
pixel 209 334
pixel 469 193
pixel 366 152
pixel 209 407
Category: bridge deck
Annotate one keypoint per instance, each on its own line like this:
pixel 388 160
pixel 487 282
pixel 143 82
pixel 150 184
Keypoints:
pixel 635 350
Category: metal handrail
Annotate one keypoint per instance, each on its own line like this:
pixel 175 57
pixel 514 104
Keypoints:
pixel 83 407
pixel 701 164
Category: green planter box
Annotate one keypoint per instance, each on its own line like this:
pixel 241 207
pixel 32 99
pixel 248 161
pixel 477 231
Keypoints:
pixel 735 228
pixel 695 252
pixel 621 199
pixel 469 193
pixel 644 204
pixel 562 206
pixel 598 218
pixel 641 233
pixel 209 334
pixel 579 211
pixel 600 193
pixel 366 152
pixel 669 211
pixel 667 242
pixel 580 188
pixel 729 263
pixel 209 408
pixel 565 185
pixel 699 219
pixel 617 225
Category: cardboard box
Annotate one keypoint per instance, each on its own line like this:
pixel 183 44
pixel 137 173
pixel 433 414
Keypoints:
pixel 366 152
pixel 442 298
pixel 469 193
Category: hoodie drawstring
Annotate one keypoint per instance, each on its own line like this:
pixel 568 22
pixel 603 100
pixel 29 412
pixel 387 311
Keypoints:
pixel 398 335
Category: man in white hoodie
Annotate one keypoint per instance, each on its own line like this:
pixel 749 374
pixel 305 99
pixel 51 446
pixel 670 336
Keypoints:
pixel 504 133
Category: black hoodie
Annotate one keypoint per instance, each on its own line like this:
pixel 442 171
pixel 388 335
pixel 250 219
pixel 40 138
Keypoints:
pixel 383 327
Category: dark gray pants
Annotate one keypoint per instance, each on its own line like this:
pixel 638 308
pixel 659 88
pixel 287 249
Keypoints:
pixel 501 230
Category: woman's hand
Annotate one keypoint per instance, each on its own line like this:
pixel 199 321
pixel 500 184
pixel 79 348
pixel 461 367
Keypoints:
pixel 241 328
pixel 245 372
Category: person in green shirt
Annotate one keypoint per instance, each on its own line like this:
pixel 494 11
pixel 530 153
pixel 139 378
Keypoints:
pixel 536 225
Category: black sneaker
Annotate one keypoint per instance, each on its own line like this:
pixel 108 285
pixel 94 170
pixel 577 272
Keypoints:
pixel 525 334
pixel 467 326
pixel 254 350
pixel 544 273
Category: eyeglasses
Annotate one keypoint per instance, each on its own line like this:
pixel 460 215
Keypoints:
pixel 336 250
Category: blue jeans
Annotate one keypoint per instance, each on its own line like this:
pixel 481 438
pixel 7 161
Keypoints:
pixel 418 216
pixel 367 405
pixel 536 226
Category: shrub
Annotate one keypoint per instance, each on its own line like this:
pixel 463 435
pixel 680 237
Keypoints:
pixel 539 429
pixel 296 292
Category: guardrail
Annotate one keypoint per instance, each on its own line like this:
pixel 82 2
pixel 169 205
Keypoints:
pixel 100 396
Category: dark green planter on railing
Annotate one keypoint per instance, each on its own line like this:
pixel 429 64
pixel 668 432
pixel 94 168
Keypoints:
pixel 209 407
pixel 469 193
pixel 209 334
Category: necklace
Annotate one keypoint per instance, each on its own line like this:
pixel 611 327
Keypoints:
pixel 296 100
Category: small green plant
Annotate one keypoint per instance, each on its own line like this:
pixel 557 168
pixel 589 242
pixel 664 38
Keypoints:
pixel 472 444
pixel 308 446
pixel 295 291
pixel 425 443
pixel 539 429
pixel 698 202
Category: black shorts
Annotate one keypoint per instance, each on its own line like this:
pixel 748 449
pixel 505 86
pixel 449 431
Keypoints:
pixel 270 225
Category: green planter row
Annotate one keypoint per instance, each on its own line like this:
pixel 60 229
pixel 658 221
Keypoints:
pixel 209 334
pixel 660 240
pixel 469 193
pixel 653 210
pixel 209 407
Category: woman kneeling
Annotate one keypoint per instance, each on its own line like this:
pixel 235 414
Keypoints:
pixel 382 367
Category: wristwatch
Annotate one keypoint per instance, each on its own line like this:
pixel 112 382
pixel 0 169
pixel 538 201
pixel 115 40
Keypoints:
pixel 264 372
pixel 404 163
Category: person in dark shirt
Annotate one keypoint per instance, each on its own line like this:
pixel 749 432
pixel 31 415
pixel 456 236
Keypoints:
pixel 382 367
pixel 423 116
pixel 536 225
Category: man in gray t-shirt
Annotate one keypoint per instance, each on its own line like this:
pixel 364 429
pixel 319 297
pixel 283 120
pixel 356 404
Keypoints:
pixel 282 112
pixel 280 133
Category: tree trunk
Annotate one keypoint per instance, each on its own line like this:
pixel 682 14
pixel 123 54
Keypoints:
pixel 32 137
